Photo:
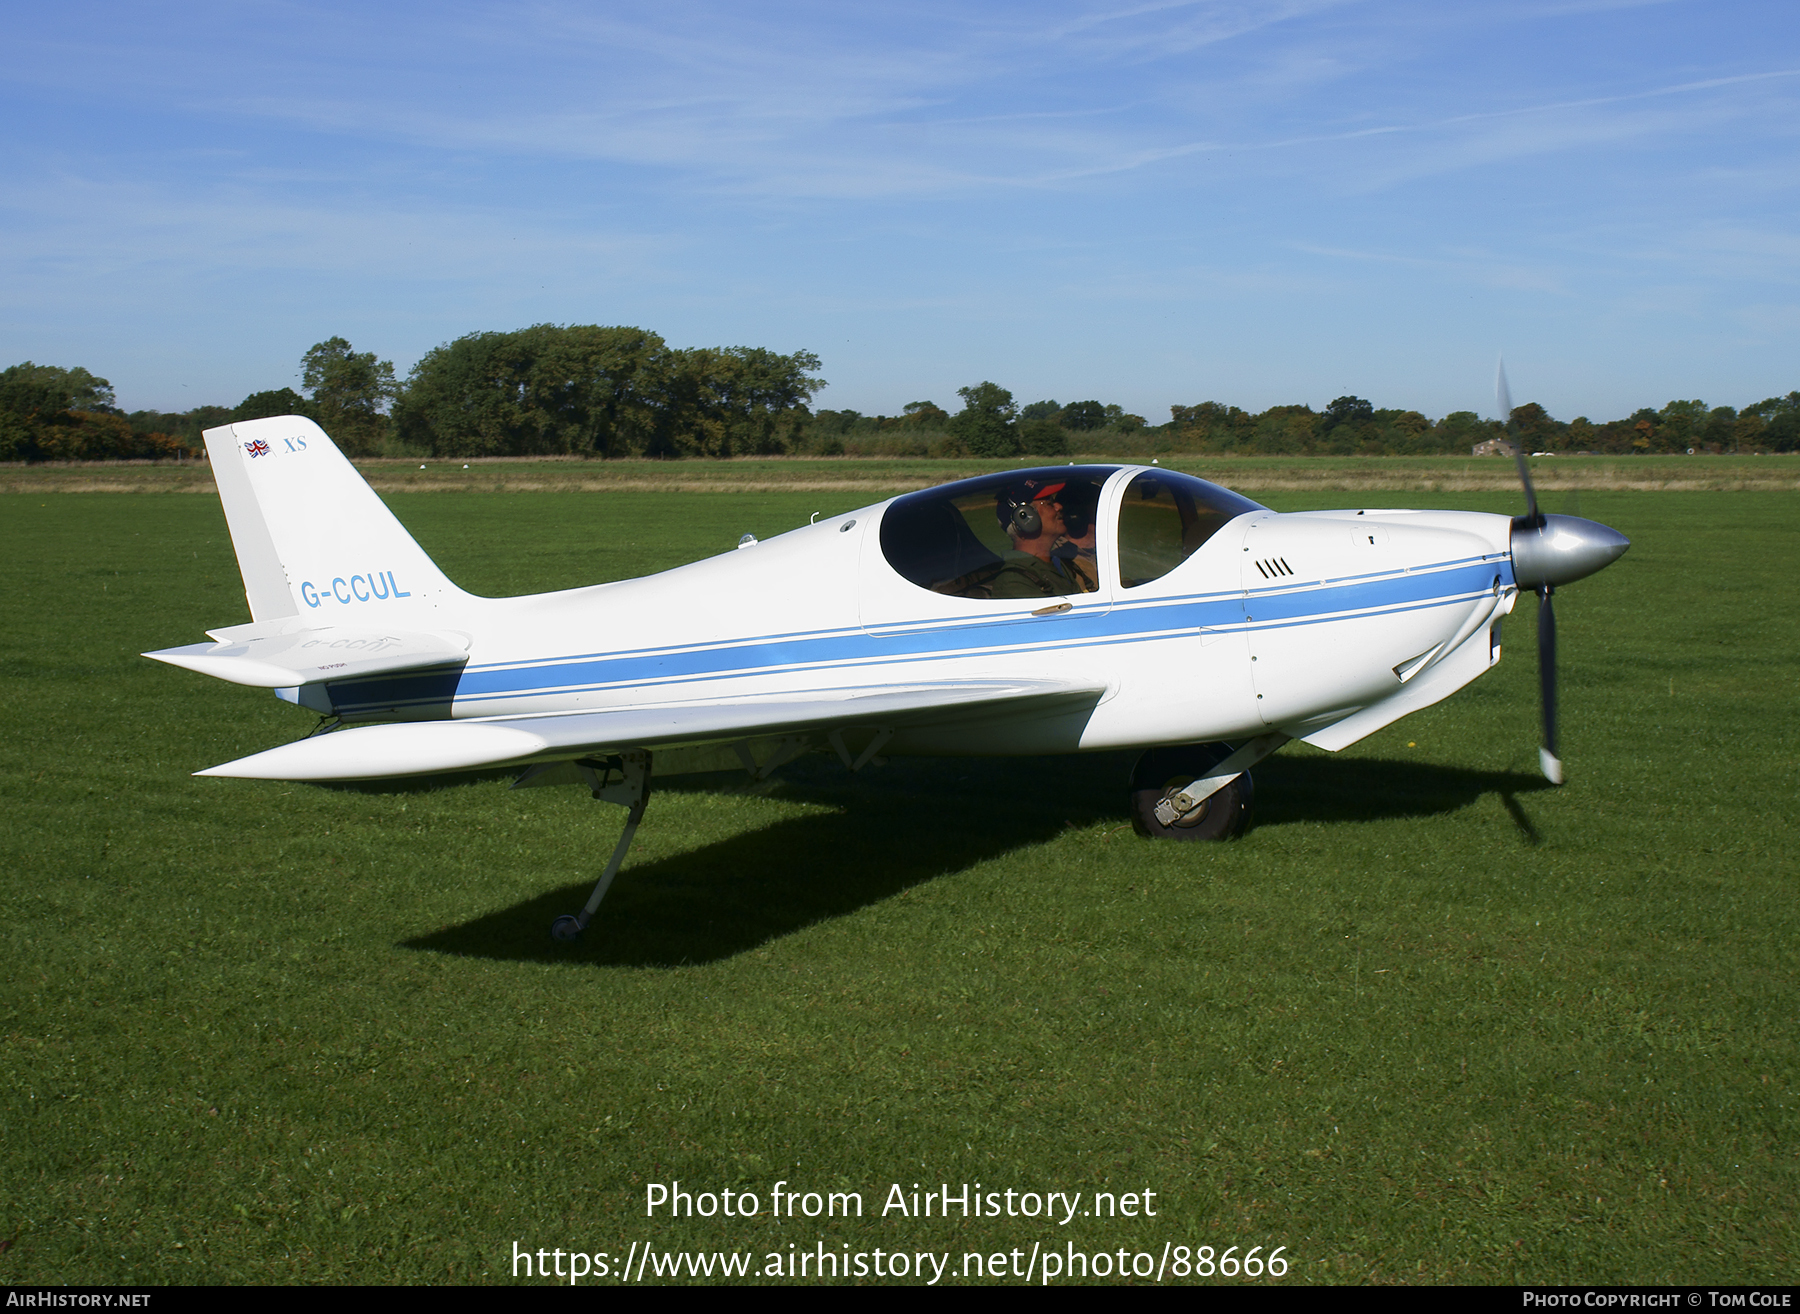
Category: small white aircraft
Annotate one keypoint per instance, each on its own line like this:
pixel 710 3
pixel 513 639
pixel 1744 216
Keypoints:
pixel 1052 610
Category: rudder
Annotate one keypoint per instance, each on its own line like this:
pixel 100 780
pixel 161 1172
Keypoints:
pixel 312 538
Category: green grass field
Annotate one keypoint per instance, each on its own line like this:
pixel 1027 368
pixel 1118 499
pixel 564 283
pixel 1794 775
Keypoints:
pixel 861 478
pixel 1430 1020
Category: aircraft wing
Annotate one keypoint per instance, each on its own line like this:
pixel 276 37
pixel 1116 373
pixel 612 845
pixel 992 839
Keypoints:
pixel 274 660
pixel 411 748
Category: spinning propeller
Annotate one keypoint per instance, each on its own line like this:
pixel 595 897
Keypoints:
pixel 1547 551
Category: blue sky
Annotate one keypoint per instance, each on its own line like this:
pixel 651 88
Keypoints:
pixel 1147 203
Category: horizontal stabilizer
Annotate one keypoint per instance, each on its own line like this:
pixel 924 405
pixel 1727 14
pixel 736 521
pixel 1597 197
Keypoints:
pixel 425 748
pixel 286 661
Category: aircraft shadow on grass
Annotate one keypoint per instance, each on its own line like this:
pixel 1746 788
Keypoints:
pixel 916 820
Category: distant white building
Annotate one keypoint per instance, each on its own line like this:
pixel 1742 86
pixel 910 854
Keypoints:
pixel 1493 447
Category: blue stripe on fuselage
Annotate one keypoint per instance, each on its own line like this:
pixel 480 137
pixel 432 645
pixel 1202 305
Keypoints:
pixel 1128 620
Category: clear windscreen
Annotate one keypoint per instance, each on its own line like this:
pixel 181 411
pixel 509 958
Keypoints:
pixel 1164 519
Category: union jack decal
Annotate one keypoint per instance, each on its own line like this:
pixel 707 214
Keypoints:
pixel 257 448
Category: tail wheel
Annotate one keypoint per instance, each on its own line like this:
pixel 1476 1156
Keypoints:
pixel 1162 772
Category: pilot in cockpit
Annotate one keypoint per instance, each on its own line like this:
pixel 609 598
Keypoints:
pixel 1044 562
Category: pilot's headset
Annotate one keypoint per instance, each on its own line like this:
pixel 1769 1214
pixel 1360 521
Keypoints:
pixel 1017 508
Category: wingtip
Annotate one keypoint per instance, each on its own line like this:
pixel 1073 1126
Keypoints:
pixel 1552 765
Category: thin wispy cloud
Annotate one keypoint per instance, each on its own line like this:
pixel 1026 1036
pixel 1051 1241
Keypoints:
pixel 1181 26
pixel 1333 172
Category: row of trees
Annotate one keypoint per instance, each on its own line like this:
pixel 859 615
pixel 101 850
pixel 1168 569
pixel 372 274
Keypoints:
pixel 587 390
pixel 990 423
pixel 1351 426
pixel 1770 425
pixel 52 414
pixel 583 390
pixel 579 390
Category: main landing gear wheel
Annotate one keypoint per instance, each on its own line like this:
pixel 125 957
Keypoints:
pixel 566 928
pixel 1162 772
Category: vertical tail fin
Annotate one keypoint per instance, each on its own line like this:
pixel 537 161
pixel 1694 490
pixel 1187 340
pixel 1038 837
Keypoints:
pixel 313 540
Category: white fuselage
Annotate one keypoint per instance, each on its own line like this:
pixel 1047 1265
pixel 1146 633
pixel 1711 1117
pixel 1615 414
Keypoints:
pixel 1325 625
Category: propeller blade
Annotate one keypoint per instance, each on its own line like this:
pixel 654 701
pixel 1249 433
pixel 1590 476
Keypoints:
pixel 1503 401
pixel 1532 516
pixel 1541 561
pixel 1547 755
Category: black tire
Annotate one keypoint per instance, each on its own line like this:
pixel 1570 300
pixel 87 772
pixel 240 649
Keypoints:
pixel 1162 771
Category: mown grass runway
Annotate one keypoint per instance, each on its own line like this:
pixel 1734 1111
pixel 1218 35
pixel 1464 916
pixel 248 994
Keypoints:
pixel 1430 1020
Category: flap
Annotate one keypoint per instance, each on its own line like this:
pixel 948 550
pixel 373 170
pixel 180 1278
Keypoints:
pixel 286 661
pixel 413 748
